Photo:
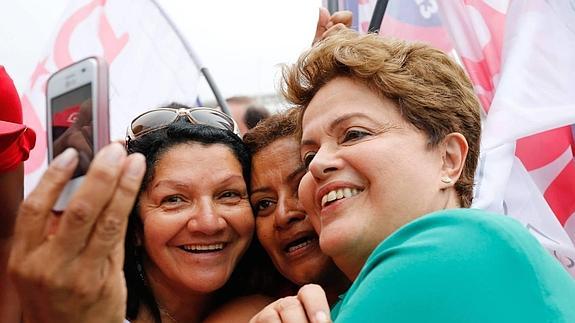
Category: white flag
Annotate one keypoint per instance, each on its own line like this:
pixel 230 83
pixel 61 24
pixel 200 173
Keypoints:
pixel 519 55
pixel 149 66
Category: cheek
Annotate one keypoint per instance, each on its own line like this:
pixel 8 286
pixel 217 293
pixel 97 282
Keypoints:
pixel 243 224
pixel 158 231
pixel 264 231
pixel 306 192
pixel 315 222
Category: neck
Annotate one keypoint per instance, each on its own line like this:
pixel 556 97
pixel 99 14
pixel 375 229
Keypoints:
pixel 335 284
pixel 177 303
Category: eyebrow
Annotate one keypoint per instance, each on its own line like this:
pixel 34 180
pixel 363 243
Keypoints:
pixel 298 171
pixel 336 122
pixel 182 184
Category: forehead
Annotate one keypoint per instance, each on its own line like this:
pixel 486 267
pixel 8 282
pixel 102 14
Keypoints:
pixel 188 159
pixel 279 157
pixel 344 96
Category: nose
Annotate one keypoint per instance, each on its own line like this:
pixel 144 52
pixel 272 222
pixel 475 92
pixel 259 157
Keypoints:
pixel 324 162
pixel 288 212
pixel 205 219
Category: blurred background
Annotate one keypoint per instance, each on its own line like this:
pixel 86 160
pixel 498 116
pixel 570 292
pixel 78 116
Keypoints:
pixel 241 42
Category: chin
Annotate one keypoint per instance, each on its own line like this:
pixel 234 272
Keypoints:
pixel 332 242
pixel 206 283
pixel 310 272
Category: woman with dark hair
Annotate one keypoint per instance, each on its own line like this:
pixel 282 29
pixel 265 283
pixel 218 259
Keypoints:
pixel 283 227
pixel 188 246
pixel 192 221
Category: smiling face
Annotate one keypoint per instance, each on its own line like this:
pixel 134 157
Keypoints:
pixel 197 220
pixel 370 171
pixel 282 226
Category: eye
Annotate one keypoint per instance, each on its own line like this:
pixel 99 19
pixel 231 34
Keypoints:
pixel 307 158
pixel 354 134
pixel 230 196
pixel 263 206
pixel 172 199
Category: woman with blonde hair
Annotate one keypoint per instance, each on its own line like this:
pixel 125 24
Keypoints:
pixel 390 137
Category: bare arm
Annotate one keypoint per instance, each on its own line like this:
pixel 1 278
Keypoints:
pixel 11 191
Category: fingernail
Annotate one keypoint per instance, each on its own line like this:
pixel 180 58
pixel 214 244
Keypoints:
pixel 321 317
pixel 137 166
pixel 112 154
pixel 66 159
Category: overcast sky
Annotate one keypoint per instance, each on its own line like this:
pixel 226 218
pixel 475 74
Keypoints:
pixel 241 42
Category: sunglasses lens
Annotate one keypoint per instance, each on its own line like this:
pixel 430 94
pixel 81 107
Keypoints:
pixel 152 120
pixel 213 119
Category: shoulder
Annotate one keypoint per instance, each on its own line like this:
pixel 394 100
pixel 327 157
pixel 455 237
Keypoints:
pixel 455 264
pixel 466 230
pixel 465 244
pixel 240 309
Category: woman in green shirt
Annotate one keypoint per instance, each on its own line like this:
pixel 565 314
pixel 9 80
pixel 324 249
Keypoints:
pixel 390 137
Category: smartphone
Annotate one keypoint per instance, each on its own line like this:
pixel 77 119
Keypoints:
pixel 77 116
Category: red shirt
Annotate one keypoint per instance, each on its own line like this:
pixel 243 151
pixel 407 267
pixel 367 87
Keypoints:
pixel 16 140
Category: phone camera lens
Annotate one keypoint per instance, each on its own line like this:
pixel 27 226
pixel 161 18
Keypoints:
pixel 83 70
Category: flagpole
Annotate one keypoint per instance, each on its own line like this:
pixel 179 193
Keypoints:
pixel 204 70
pixel 377 17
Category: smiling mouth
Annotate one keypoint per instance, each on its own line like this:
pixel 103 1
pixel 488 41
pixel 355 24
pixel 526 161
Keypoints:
pixel 338 194
pixel 199 248
pixel 299 244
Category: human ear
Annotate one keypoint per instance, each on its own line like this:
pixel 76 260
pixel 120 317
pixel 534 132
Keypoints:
pixel 455 148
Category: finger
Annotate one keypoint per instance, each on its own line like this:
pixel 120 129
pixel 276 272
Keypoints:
pixel 344 17
pixel 291 310
pixel 322 20
pixel 332 30
pixel 36 208
pixel 315 303
pixel 121 141
pixel 87 203
pixel 268 315
pixel 111 227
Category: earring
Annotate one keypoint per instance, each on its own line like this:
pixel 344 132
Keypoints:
pixel 139 267
pixel 446 179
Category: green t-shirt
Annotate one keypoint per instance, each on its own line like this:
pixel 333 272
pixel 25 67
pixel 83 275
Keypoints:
pixel 460 265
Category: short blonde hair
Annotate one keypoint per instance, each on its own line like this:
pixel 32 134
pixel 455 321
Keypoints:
pixel 431 91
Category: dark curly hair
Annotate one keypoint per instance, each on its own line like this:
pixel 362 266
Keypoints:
pixel 153 146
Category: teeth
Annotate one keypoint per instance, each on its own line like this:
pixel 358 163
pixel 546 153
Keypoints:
pixel 299 246
pixel 338 194
pixel 216 246
pixel 347 192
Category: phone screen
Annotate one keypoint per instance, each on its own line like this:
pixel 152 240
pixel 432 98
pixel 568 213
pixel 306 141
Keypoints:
pixel 72 125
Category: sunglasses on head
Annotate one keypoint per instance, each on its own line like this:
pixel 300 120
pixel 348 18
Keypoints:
pixel 161 118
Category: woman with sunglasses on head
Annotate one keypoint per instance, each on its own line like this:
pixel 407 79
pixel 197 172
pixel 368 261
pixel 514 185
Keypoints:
pixel 192 222
pixel 190 226
pixel 390 138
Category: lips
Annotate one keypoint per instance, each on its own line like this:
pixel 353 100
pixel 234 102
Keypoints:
pixel 300 243
pixel 203 248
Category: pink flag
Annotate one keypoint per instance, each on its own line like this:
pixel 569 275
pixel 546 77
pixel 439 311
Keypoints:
pixel 149 66
pixel 526 67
